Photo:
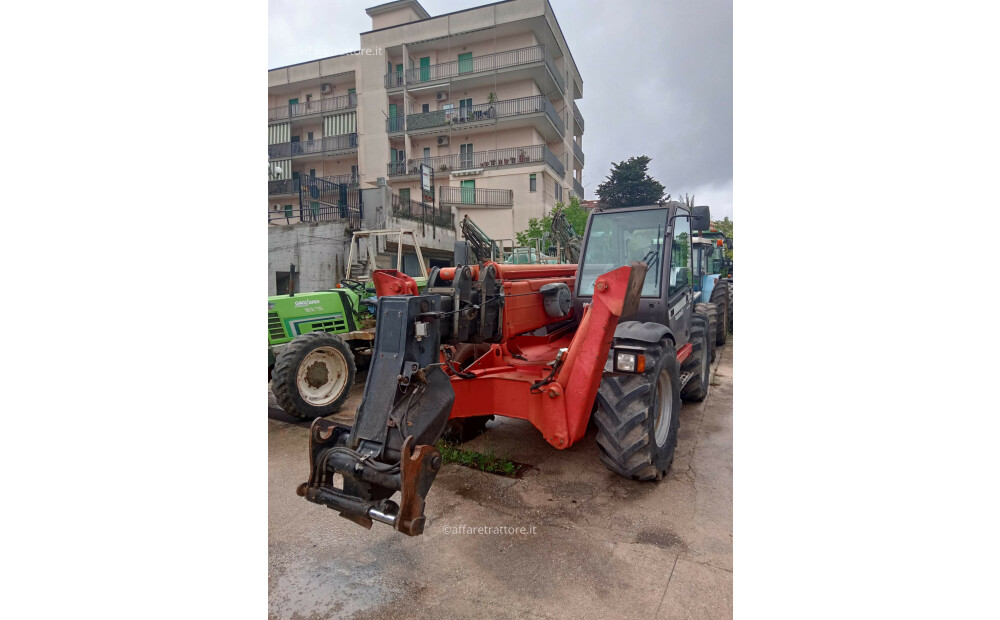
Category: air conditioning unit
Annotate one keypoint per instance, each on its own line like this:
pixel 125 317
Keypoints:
pixel 380 181
pixel 443 140
pixel 442 95
pixel 326 89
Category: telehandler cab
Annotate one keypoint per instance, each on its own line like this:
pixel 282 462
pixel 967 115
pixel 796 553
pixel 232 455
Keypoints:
pixel 620 329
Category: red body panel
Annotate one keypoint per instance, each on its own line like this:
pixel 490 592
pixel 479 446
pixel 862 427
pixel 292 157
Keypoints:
pixel 393 282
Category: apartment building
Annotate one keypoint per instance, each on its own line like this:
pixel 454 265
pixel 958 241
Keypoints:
pixel 485 96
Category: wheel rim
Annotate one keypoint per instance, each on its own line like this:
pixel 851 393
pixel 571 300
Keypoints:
pixel 665 408
pixel 322 376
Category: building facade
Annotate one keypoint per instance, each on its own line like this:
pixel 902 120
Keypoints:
pixel 486 97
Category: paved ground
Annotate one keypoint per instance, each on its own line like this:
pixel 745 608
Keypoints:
pixel 602 546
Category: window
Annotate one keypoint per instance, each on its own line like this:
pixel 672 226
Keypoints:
pixel 312 171
pixel 465 108
pixel 309 136
pixel 616 239
pixel 427 153
pixel 466 155
pixel 425 108
pixel 465 63
pixel 558 193
pixel 404 197
pixel 680 253
pixel 532 183
pixel 281 282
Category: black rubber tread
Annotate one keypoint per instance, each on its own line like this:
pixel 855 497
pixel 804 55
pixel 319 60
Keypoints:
pixel 711 312
pixel 730 283
pixel 283 377
pixel 720 297
pixel 696 389
pixel 460 430
pixel 625 416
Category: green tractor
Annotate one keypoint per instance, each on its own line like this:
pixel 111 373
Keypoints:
pixel 717 277
pixel 317 341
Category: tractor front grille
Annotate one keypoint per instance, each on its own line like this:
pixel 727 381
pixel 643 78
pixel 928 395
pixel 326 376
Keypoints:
pixel 333 325
pixel 274 327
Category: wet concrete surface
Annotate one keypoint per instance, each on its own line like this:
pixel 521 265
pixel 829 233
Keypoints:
pixel 601 546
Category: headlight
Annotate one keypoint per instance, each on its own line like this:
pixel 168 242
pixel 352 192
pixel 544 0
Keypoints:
pixel 629 361
pixel 625 362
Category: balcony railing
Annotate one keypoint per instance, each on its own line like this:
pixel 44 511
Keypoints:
pixel 578 116
pixel 476 196
pixel 307 147
pixel 317 106
pixel 394 123
pixel 485 112
pixel 351 180
pixel 578 152
pixel 477 64
pixel 321 201
pixel 429 214
pixel 278 187
pixel 578 189
pixel 533 154
pixel 282 186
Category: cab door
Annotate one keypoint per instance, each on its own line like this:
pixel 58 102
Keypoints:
pixel 680 298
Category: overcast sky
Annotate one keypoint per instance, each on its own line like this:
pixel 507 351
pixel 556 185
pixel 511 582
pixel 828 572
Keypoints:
pixel 657 79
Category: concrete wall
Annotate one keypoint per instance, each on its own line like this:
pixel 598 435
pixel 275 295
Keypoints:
pixel 317 250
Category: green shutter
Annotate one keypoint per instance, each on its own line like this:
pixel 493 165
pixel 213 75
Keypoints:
pixel 468 192
pixel 465 63
pixel 425 68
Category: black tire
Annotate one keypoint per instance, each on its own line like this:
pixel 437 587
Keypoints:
pixel 461 430
pixel 710 311
pixel 730 284
pixel 632 444
pixel 325 383
pixel 720 297
pixel 696 389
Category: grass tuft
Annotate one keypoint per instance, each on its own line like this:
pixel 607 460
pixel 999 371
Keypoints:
pixel 488 461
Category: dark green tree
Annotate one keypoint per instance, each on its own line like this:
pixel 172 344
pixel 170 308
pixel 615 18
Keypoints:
pixel 725 226
pixel 630 185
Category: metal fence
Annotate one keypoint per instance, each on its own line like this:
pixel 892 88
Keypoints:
pixel 317 106
pixel 484 112
pixel 429 214
pixel 578 116
pixel 320 200
pixel 530 154
pixel 308 147
pixel 478 196
pixel 477 64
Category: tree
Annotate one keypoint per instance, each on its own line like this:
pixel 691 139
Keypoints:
pixel 538 228
pixel 725 226
pixel 630 185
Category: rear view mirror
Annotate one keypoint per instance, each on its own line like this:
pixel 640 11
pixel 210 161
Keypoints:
pixel 729 244
pixel 701 218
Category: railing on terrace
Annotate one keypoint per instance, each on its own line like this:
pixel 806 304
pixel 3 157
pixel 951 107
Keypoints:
pixel 478 196
pixel 321 201
pixel 536 153
pixel 316 106
pixel 577 151
pixel 485 112
pixel 477 64
pixel 578 116
pixel 578 189
pixel 291 186
pixel 428 214
pixel 395 123
pixel 329 143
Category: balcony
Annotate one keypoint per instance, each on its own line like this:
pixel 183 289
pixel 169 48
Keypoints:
pixel 578 153
pixel 577 189
pixel 282 187
pixel 481 65
pixel 394 124
pixel 497 158
pixel 577 120
pixel 319 106
pixel 475 196
pixel 428 214
pixel 326 146
pixel 485 114
pixel 321 201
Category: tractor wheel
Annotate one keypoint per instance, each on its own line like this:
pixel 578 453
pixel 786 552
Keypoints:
pixel 696 389
pixel 711 313
pixel 638 415
pixel 461 430
pixel 730 285
pixel 313 375
pixel 720 297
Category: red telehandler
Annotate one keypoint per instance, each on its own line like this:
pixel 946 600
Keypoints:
pixel 548 341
